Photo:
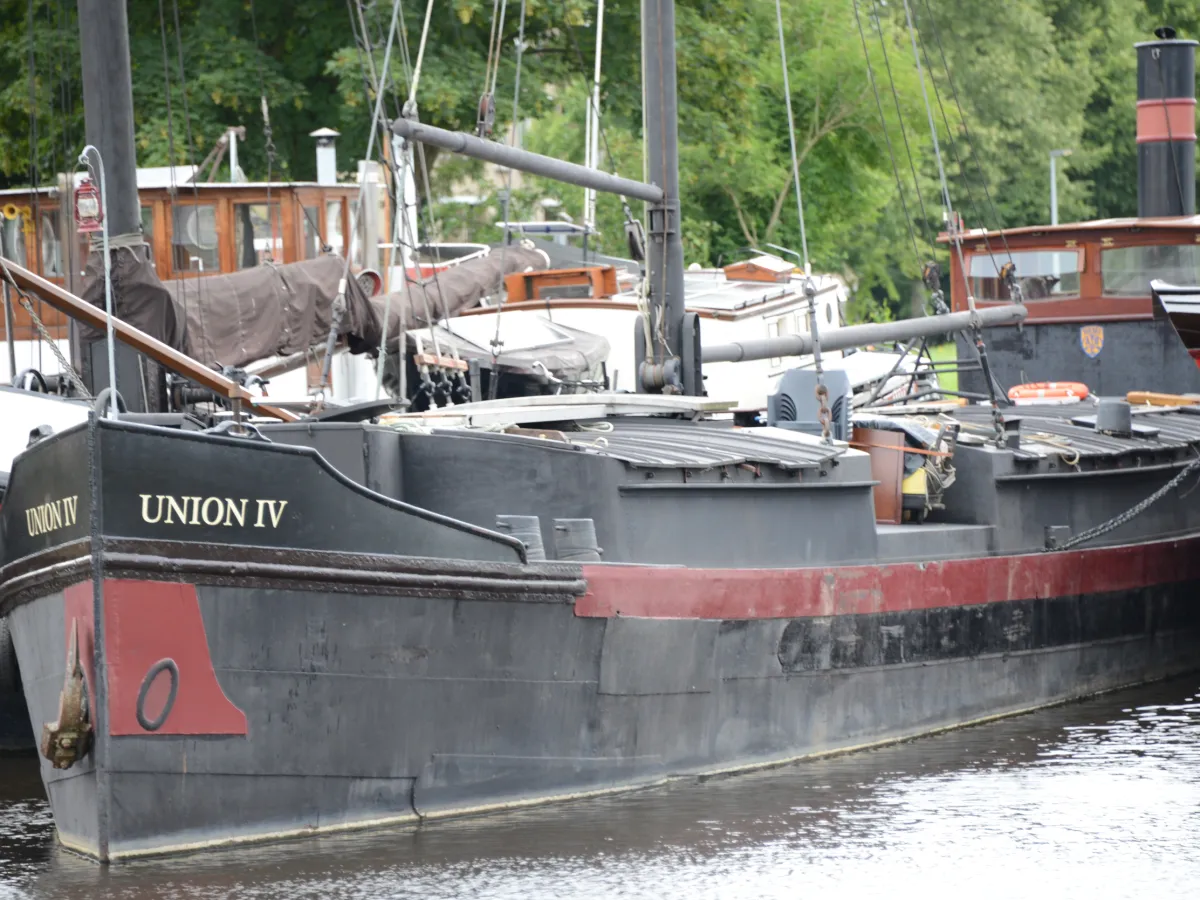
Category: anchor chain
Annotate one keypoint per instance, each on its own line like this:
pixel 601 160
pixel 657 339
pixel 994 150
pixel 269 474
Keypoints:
pixel 44 334
pixel 68 739
pixel 1131 513
pixel 63 362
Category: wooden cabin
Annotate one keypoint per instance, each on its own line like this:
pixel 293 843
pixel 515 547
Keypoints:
pixel 1097 271
pixel 193 230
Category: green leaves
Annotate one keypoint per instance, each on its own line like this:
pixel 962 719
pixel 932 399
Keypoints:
pixel 1031 76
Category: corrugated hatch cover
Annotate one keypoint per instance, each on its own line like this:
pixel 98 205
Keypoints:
pixel 1176 430
pixel 686 445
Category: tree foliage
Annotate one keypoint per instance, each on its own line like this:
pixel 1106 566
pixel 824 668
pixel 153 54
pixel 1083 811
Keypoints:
pixel 1007 82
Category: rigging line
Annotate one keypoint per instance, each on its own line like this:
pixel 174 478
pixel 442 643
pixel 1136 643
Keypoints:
pixel 162 25
pixel 187 122
pixel 410 110
pixel 612 163
pixel 378 36
pixel 912 167
pixel 499 45
pixel 359 43
pixel 340 300
pixel 494 380
pixel 436 258
pixel 68 370
pixel 63 84
pixel 956 239
pixel 268 137
pixel 376 83
pixel 400 226
pixel 400 216
pixel 405 56
pixel 966 130
pixel 975 209
pixel 34 173
pixel 366 57
pixel 416 78
pixel 937 150
pixel 787 96
pixel 888 139
pixel 380 86
pixel 366 48
pixel 487 70
pixel 1162 83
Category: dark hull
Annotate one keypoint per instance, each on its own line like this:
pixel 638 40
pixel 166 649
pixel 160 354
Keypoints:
pixel 348 660
pixel 1113 359
pixel 15 735
pixel 368 709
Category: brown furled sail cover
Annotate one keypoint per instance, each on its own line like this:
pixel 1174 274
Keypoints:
pixel 139 297
pixel 270 310
pixel 281 309
pixel 456 289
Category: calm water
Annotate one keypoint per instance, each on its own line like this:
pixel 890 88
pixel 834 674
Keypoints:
pixel 1093 800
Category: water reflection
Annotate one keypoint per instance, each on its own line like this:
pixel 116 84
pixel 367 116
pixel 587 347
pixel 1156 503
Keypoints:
pixel 1100 799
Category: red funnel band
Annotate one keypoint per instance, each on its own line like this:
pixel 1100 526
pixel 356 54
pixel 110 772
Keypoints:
pixel 1173 119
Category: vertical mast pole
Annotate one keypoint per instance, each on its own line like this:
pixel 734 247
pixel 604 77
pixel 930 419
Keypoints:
pixel 108 106
pixel 660 111
pixel 592 132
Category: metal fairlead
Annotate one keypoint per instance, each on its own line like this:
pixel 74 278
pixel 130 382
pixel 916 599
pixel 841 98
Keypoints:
pixel 67 740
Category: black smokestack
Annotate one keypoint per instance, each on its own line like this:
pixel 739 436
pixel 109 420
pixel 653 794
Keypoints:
pixel 1166 126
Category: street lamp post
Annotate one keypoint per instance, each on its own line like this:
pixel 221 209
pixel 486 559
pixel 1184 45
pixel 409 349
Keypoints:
pixel 1055 154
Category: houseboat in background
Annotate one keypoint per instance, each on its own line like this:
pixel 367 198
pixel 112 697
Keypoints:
pixel 1092 314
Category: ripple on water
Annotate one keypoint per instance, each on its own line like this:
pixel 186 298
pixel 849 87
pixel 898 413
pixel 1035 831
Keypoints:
pixel 1096 800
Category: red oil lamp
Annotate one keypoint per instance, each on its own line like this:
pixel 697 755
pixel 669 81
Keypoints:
pixel 88 215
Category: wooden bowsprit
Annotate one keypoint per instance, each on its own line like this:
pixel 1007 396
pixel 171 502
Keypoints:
pixel 180 363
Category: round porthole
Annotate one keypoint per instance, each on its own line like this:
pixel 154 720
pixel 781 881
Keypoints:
pixel 829 313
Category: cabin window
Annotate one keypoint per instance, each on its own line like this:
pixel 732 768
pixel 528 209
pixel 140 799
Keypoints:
pixel 1042 274
pixel 1128 271
pixel 12 238
pixel 312 235
pixel 52 257
pixel 780 327
pixel 333 227
pixel 194 243
pixel 255 236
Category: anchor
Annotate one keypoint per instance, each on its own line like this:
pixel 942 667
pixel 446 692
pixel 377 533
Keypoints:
pixel 68 740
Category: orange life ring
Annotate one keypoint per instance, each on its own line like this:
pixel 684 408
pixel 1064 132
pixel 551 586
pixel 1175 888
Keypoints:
pixel 1048 392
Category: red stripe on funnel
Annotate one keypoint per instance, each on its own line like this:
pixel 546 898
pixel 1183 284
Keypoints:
pixel 1173 119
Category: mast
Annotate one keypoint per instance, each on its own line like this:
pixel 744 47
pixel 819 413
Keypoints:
pixel 660 114
pixel 668 357
pixel 108 106
pixel 137 294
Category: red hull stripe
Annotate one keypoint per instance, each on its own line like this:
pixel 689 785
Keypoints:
pixel 664 592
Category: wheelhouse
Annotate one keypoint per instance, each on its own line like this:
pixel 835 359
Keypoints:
pixel 1097 271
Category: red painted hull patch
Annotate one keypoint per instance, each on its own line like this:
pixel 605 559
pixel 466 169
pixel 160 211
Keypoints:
pixel 666 592
pixel 160 674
